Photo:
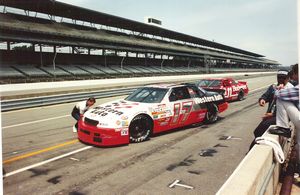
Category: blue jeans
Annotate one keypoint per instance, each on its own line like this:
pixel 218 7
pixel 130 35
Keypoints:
pixel 76 116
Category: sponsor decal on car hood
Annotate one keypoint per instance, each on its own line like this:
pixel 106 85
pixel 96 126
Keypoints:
pixel 116 113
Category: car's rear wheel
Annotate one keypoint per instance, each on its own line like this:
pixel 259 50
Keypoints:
pixel 140 128
pixel 211 114
pixel 241 95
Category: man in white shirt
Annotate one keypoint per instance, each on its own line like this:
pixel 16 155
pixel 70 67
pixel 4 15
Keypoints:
pixel 80 108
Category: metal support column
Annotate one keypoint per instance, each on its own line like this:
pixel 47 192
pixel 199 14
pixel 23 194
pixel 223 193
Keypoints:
pixel 161 64
pixel 189 63
pixel 8 46
pixel 104 53
pixel 41 54
pixel 207 63
pixel 122 64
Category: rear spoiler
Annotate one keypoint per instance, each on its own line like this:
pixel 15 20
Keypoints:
pixel 243 82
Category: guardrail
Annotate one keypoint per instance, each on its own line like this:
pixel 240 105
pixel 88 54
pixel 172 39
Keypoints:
pixel 8 105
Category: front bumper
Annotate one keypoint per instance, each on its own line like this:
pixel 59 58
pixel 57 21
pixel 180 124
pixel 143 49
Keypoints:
pixel 100 136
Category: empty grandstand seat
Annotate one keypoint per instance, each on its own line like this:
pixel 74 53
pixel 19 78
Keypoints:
pixel 120 70
pixel 91 69
pixel 74 70
pixel 133 69
pixel 170 69
pixel 143 69
pixel 153 70
pixel 31 71
pixel 57 72
pixel 106 70
pixel 9 72
pixel 158 69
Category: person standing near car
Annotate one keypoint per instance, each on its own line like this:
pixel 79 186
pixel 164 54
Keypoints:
pixel 269 117
pixel 80 108
pixel 268 96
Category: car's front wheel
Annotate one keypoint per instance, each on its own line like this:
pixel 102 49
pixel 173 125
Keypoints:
pixel 140 128
pixel 211 114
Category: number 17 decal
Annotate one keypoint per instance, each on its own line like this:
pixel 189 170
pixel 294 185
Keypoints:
pixel 181 113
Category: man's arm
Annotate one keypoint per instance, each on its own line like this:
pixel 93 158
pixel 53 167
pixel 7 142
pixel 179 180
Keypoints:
pixel 267 96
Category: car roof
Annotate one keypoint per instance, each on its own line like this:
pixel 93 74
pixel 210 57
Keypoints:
pixel 165 85
pixel 219 79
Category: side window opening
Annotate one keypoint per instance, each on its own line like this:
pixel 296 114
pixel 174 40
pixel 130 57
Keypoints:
pixel 179 93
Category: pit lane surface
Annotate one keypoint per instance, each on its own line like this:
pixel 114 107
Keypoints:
pixel 202 157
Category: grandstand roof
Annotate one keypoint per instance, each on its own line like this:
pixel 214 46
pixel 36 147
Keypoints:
pixel 55 8
pixel 15 28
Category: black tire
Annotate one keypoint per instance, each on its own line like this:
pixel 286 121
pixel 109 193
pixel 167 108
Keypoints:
pixel 211 114
pixel 241 95
pixel 140 128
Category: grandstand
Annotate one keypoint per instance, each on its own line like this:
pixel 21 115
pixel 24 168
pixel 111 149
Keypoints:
pixel 46 40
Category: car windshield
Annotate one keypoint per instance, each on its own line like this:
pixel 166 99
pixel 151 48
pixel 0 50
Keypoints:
pixel 209 83
pixel 147 95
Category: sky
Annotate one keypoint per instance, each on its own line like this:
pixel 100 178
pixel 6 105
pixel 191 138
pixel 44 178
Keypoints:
pixel 267 27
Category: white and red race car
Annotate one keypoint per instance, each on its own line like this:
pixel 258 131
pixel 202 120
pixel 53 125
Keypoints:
pixel 234 90
pixel 149 110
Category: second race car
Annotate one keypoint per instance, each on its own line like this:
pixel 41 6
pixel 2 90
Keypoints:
pixel 234 90
pixel 149 110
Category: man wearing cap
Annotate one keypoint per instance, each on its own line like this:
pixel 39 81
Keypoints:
pixel 268 96
pixel 269 117
pixel 80 108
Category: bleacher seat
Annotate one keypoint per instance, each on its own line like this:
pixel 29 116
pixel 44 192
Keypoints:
pixel 74 70
pixel 31 71
pixel 170 69
pixel 106 70
pixel 153 70
pixel 92 70
pixel 121 70
pixel 159 69
pixel 9 72
pixel 57 72
pixel 143 69
pixel 134 70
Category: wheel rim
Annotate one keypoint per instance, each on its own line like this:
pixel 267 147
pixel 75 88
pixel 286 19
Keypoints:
pixel 212 115
pixel 241 95
pixel 139 128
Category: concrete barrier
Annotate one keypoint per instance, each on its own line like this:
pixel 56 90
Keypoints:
pixel 258 172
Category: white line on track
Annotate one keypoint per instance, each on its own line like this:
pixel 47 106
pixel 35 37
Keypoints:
pixel 38 121
pixel 259 88
pixel 46 161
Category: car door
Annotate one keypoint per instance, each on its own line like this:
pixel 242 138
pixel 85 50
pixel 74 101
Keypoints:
pixel 181 104
pixel 235 88
pixel 228 89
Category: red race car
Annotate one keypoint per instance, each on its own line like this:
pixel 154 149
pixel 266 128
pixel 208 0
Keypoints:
pixel 234 90
pixel 149 110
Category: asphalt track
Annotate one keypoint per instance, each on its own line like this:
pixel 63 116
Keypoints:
pixel 41 154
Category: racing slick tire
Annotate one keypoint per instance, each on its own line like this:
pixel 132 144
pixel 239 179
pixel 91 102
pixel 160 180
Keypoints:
pixel 140 128
pixel 241 95
pixel 211 114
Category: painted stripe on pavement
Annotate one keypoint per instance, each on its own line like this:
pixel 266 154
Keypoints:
pixel 46 161
pixel 38 152
pixel 37 121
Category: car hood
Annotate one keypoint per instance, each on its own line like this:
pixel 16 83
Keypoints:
pixel 116 113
